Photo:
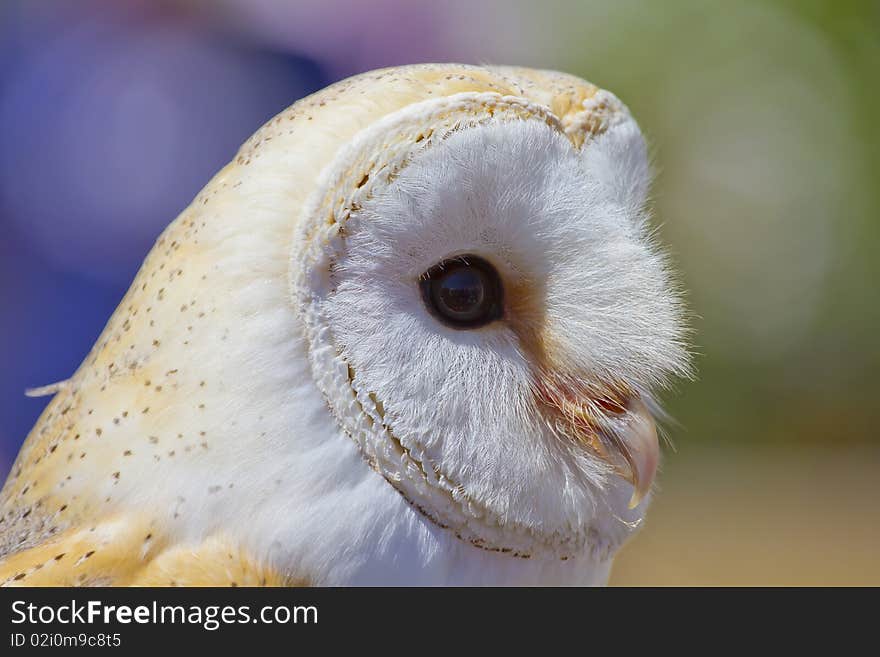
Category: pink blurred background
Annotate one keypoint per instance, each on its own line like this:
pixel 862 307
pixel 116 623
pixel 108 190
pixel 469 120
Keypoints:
pixel 761 115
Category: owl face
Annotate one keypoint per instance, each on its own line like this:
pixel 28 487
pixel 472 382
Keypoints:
pixel 487 318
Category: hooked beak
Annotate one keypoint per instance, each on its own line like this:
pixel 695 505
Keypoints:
pixel 624 434
pixel 640 449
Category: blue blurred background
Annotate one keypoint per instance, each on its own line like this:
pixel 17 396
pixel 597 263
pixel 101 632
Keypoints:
pixel 762 116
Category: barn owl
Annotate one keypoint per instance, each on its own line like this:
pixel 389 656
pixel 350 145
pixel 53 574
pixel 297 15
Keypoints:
pixel 409 335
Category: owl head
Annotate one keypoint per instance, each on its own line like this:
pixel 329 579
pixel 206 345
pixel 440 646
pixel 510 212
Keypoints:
pixel 410 333
pixel 487 314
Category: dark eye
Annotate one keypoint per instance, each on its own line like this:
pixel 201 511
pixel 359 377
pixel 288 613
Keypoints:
pixel 463 292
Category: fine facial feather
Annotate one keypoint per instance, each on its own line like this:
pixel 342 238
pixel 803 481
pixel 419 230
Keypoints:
pixel 197 414
pixel 607 317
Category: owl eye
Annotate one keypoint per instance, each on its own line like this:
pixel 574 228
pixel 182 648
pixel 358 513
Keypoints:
pixel 463 292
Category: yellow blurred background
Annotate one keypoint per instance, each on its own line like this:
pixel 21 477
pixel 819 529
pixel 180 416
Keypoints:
pixel 762 118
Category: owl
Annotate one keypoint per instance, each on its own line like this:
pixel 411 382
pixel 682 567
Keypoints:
pixel 410 335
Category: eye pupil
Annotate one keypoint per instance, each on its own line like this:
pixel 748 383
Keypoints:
pixel 463 292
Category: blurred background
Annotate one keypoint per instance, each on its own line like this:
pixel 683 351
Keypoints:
pixel 762 116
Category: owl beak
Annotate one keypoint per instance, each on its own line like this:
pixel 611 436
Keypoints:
pixel 616 425
pixel 638 445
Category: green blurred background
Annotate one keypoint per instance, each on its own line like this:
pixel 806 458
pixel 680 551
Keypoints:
pixel 763 120
pixel 762 117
